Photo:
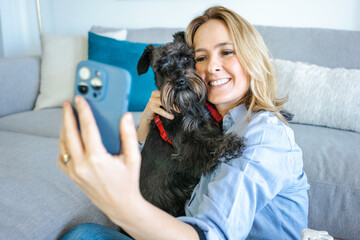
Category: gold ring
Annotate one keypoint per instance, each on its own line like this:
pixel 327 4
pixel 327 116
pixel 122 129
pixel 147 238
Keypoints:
pixel 66 158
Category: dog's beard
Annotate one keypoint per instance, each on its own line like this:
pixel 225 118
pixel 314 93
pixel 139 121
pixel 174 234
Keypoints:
pixel 182 100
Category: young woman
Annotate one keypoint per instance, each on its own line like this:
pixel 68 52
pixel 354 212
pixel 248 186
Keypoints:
pixel 260 195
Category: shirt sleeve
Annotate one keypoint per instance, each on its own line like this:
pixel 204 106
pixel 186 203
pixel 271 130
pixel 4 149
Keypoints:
pixel 141 145
pixel 231 196
pixel 199 232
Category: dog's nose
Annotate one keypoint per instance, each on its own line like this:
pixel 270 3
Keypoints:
pixel 180 82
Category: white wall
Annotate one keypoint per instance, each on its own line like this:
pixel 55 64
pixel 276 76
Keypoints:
pixel 21 37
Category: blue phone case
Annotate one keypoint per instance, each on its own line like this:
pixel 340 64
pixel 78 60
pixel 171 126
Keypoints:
pixel 106 88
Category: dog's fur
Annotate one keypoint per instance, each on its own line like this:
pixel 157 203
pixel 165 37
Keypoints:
pixel 169 173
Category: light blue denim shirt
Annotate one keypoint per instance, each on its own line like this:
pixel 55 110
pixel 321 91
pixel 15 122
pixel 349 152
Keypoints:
pixel 260 195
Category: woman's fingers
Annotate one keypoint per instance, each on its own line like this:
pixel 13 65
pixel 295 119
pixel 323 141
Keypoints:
pixel 155 94
pixel 89 130
pixel 165 114
pixel 62 148
pixel 154 107
pixel 130 145
pixel 70 138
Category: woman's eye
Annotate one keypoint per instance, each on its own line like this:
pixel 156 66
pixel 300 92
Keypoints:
pixel 227 52
pixel 199 59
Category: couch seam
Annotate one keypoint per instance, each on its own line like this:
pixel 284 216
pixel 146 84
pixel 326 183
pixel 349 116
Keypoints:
pixel 28 134
pixel 337 185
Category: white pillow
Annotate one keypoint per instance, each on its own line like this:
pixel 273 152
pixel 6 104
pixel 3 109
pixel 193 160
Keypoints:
pixel 118 34
pixel 320 95
pixel 60 56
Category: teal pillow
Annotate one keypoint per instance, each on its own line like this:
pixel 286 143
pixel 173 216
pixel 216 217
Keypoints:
pixel 124 54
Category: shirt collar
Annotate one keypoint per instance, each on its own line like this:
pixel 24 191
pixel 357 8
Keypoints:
pixel 235 115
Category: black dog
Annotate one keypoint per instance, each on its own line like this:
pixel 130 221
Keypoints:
pixel 177 152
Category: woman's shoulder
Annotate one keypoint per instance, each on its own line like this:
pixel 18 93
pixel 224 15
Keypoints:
pixel 266 129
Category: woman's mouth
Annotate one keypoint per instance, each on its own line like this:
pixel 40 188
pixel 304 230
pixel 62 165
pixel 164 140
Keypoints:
pixel 219 82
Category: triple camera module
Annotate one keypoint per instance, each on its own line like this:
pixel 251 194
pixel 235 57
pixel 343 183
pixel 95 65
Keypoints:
pixel 95 82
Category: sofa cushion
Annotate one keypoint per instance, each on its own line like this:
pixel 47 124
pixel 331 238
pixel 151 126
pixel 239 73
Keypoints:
pixel 43 122
pixel 19 83
pixel 38 201
pixel 152 35
pixel 320 95
pixel 325 47
pixel 331 162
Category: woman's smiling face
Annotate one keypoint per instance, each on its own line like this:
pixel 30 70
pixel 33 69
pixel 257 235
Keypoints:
pixel 216 61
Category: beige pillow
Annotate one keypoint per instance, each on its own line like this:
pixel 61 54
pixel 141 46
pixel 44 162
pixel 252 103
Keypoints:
pixel 60 56
pixel 320 95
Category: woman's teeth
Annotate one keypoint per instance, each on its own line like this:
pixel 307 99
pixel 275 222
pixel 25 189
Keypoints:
pixel 219 82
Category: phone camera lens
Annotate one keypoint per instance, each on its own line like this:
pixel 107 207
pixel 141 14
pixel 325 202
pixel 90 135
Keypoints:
pixel 83 88
pixel 84 73
pixel 96 83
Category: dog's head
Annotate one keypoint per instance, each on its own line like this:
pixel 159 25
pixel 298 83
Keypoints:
pixel 175 76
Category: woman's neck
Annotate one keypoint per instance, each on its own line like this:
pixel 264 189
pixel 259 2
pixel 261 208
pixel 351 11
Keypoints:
pixel 223 109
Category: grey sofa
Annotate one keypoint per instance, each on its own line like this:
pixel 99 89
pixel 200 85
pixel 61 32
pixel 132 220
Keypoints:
pixel 37 201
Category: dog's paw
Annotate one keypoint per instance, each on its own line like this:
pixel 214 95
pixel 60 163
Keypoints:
pixel 232 146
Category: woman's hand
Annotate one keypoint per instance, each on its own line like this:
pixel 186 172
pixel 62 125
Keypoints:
pixel 111 182
pixel 153 107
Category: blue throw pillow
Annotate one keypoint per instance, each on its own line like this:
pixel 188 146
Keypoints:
pixel 124 54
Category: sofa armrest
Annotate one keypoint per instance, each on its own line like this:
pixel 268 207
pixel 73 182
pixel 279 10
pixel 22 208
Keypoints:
pixel 19 84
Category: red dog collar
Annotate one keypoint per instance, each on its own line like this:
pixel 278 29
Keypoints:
pixel 162 129
pixel 214 113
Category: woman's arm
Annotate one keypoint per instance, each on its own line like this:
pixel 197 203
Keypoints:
pixel 112 182
pixel 149 222
pixel 153 107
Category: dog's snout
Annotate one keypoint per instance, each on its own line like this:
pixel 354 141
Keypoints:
pixel 180 82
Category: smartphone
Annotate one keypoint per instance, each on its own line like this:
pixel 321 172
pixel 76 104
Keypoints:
pixel 106 88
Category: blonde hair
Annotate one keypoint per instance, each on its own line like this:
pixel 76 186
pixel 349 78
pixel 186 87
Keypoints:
pixel 253 56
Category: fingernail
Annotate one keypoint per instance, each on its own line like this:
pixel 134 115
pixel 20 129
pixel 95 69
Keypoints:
pixel 77 99
pixel 129 118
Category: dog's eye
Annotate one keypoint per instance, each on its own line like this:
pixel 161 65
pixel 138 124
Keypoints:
pixel 164 60
pixel 184 59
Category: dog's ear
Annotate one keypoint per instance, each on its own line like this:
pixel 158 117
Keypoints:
pixel 145 60
pixel 179 36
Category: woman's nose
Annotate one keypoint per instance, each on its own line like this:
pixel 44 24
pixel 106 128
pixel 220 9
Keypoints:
pixel 214 65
